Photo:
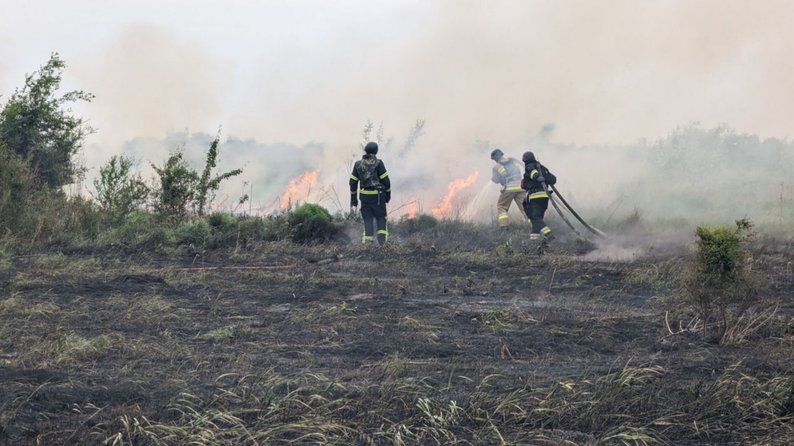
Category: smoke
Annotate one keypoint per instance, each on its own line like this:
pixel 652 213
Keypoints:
pixel 596 90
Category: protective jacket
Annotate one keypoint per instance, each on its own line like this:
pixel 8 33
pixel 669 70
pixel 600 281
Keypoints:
pixel 507 172
pixel 369 181
pixel 533 170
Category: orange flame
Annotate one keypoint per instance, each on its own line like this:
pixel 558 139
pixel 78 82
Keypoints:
pixel 298 188
pixel 444 209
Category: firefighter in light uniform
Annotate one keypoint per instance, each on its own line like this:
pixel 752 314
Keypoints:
pixel 370 184
pixel 537 200
pixel 507 172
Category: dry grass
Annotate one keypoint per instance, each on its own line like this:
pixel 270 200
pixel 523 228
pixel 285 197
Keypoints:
pixel 481 346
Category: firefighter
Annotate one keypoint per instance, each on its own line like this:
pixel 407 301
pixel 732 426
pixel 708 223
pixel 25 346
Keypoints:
pixel 507 172
pixel 370 181
pixel 536 177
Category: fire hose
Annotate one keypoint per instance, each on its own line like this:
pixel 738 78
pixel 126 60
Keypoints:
pixel 590 228
pixel 597 232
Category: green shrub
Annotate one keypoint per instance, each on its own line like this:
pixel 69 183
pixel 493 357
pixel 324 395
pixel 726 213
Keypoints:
pixel 222 221
pixel 78 217
pixel 420 223
pixel 237 233
pixel 18 194
pixel 276 227
pixel 311 222
pixel 251 229
pixel 139 229
pixel 118 191
pixel 182 190
pixel 195 232
pixel 720 284
pixel 177 188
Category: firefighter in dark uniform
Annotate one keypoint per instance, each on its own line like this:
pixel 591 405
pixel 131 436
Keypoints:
pixel 370 184
pixel 537 196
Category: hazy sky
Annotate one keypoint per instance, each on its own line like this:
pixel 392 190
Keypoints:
pixel 315 70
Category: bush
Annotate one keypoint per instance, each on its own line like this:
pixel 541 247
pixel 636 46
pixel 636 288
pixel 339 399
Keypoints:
pixel 420 223
pixel 177 188
pixel 79 217
pixel 195 232
pixel 118 191
pixel 18 194
pixel 250 229
pixel 139 229
pixel 231 230
pixel 311 222
pixel 720 284
pixel 182 190
pixel 276 227
pixel 222 221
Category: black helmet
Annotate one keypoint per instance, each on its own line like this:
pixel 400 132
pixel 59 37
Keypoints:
pixel 371 147
pixel 496 154
pixel 528 157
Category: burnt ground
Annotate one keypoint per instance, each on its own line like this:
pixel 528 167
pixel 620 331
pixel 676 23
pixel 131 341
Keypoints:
pixel 428 341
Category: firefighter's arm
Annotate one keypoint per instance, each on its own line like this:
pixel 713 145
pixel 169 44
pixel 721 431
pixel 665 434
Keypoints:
pixel 353 188
pixel 536 175
pixel 383 176
pixel 496 176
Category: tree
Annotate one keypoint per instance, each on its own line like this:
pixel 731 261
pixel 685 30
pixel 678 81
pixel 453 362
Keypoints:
pixel 37 126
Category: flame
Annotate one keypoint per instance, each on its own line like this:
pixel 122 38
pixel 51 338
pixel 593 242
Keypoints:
pixel 444 208
pixel 298 188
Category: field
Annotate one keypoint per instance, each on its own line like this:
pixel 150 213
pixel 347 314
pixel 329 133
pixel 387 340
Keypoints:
pixel 458 335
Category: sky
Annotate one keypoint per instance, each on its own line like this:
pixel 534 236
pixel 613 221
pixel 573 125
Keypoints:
pixel 306 72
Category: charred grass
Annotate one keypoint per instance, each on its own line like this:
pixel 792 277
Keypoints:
pixel 428 341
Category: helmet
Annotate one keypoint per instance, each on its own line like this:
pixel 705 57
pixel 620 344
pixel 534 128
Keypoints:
pixel 528 157
pixel 496 154
pixel 371 147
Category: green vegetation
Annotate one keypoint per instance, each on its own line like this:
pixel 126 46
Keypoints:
pixel 119 192
pixel 176 190
pixel 420 223
pixel 722 287
pixel 19 197
pixel 35 124
pixel 311 222
pixel 207 183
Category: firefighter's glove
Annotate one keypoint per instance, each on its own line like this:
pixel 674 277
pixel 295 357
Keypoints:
pixel 540 179
pixel 386 197
pixel 353 201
